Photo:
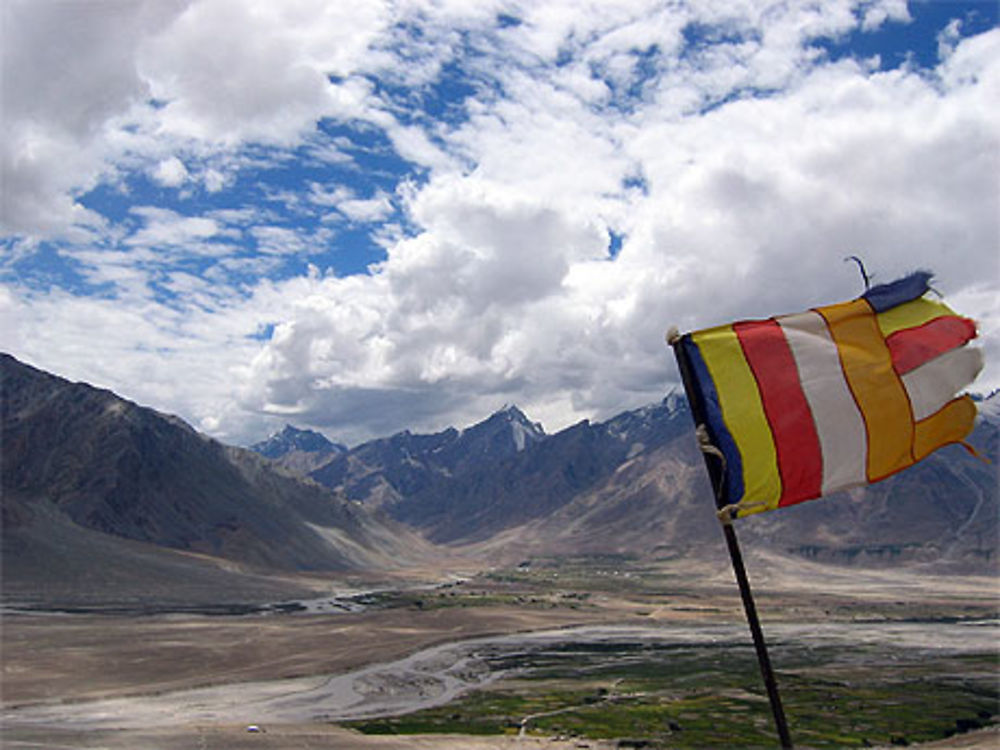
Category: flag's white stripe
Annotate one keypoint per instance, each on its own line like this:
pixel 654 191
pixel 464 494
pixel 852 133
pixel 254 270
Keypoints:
pixel 935 383
pixel 839 424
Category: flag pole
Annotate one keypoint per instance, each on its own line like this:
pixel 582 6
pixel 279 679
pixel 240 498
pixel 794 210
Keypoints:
pixel 758 635
pixel 715 467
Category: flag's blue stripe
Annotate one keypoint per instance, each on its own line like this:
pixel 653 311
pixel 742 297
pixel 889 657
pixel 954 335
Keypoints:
pixel 884 296
pixel 732 490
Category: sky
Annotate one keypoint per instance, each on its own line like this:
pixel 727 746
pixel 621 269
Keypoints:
pixel 364 217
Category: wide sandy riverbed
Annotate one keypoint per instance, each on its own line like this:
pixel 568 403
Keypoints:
pixel 180 681
pixel 436 675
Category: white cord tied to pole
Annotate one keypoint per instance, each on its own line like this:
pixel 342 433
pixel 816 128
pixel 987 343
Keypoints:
pixel 706 445
pixel 727 513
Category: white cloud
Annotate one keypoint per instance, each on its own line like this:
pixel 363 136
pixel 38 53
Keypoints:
pixel 171 172
pixel 166 228
pixel 69 68
pixel 320 196
pixel 214 180
pixel 737 176
pixel 231 70
pixel 755 196
pixel 364 210
pixel 948 37
pixel 221 72
pixel 876 14
pixel 274 240
pixel 367 209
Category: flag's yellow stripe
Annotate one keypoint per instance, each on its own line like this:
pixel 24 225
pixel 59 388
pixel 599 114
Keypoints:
pixel 743 413
pixel 911 314
pixel 950 425
pixel 876 387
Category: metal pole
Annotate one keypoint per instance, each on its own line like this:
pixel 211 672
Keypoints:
pixel 715 473
pixel 758 636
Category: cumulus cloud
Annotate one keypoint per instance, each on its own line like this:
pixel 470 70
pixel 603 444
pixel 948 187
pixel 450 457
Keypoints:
pixel 66 76
pixel 95 82
pixel 748 210
pixel 610 170
pixel 230 70
pixel 171 172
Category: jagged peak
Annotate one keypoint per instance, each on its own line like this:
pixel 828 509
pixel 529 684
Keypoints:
pixel 522 430
pixel 290 430
pixel 291 438
pixel 513 412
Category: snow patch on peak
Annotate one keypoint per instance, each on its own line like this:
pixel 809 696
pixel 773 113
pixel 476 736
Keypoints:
pixel 675 401
pixel 521 435
pixel 989 407
pixel 522 430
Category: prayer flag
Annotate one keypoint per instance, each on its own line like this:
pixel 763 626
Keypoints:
pixel 807 404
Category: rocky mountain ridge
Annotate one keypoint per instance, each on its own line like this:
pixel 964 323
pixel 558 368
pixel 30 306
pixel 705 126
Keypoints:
pixel 102 472
pixel 385 471
pixel 635 484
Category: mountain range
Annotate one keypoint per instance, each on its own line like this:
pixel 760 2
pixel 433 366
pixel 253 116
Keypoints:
pixel 636 485
pixel 99 491
pixel 96 487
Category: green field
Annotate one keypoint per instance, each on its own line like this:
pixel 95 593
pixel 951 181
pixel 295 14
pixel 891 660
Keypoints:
pixel 708 695
pixel 712 696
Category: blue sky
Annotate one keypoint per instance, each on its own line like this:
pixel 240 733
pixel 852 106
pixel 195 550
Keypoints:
pixel 364 218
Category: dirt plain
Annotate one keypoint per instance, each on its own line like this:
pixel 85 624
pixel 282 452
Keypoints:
pixel 52 659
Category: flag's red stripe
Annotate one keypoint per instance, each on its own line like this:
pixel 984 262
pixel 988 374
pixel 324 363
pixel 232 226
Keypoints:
pixel 800 459
pixel 912 347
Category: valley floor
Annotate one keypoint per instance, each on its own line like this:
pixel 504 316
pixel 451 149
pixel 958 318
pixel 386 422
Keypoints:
pixel 324 737
pixel 911 641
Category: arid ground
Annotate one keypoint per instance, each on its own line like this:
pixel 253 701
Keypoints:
pixel 427 668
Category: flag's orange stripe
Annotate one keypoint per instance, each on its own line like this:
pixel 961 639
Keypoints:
pixel 800 461
pixel 949 425
pixel 875 385
pixel 912 347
